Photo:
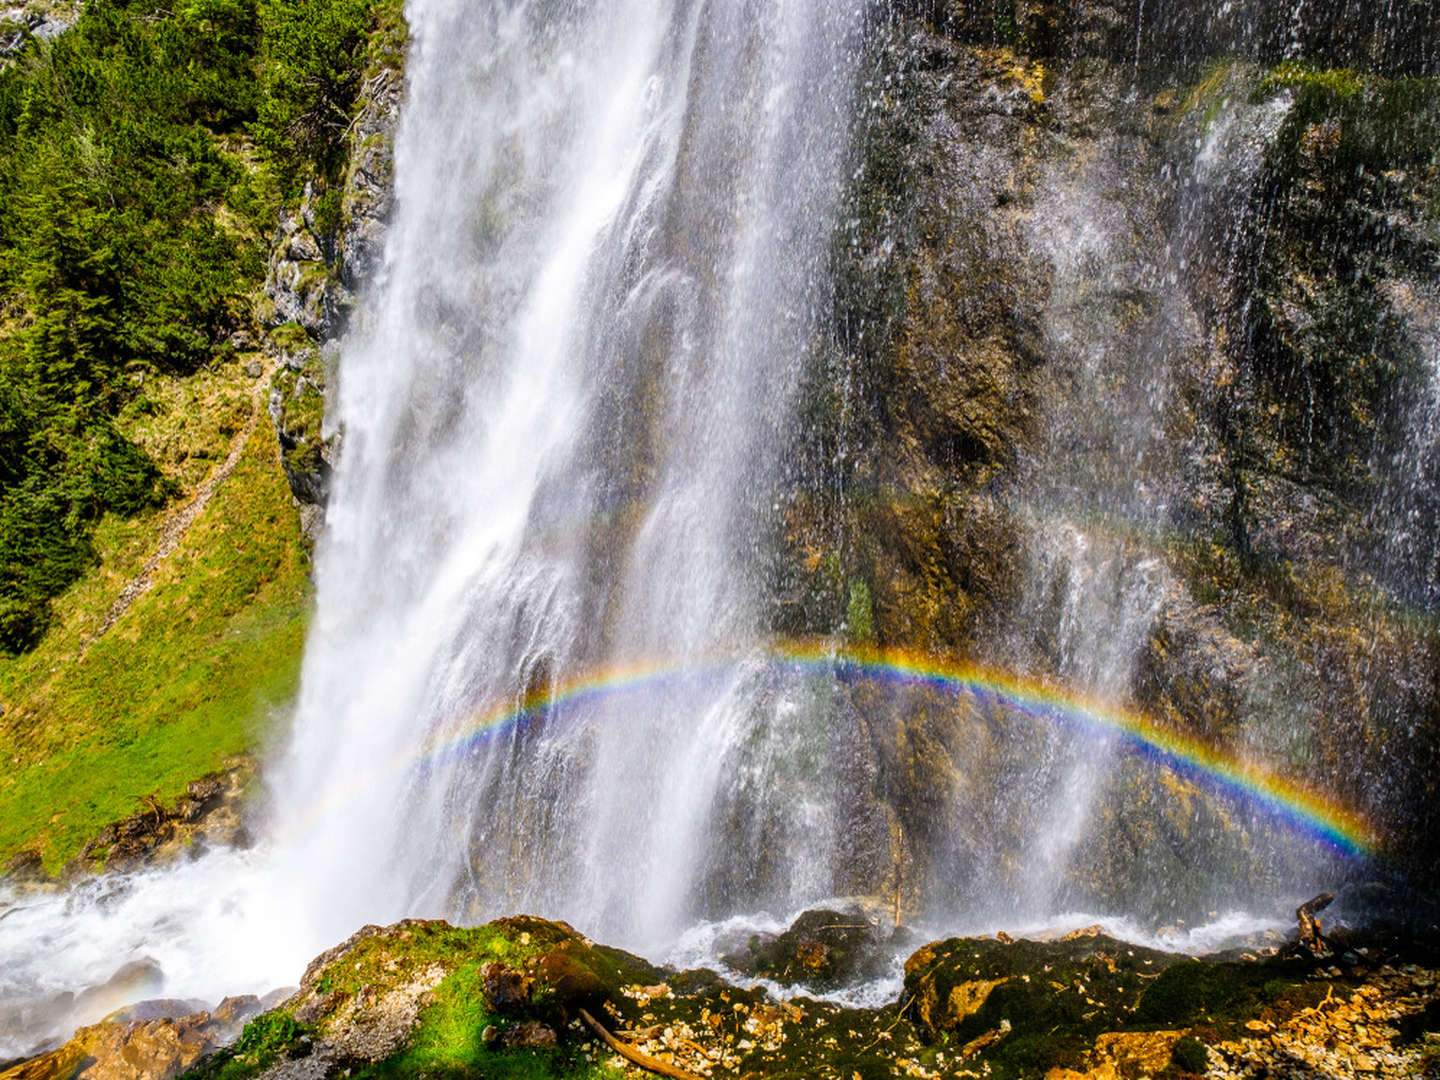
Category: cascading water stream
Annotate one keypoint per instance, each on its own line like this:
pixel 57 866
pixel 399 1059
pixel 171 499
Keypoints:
pixel 560 429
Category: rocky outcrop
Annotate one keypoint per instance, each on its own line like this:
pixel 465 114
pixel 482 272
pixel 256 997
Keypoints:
pixel 1091 1006
pixel 821 950
pixel 513 997
pixel 323 254
pixel 329 245
pixel 959 990
pixel 154 1040
pixel 297 408
pixel 210 814
pixel 20 23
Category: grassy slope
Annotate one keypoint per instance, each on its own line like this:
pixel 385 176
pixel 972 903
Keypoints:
pixel 192 672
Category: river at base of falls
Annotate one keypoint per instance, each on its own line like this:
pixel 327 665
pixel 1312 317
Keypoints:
pixel 216 927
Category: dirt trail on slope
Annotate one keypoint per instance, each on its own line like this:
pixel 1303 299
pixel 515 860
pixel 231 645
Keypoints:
pixel 179 522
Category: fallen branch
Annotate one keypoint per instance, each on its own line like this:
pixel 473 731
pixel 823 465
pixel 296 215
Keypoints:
pixel 1311 939
pixel 635 1057
pixel 898 1016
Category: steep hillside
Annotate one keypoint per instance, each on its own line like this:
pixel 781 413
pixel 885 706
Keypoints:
pixel 155 572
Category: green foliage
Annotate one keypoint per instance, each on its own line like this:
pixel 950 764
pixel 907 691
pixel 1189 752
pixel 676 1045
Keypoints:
pixel 1291 75
pixel 135 230
pixel 310 77
pixel 108 148
pixel 267 1035
pixel 860 612
pixel 265 1039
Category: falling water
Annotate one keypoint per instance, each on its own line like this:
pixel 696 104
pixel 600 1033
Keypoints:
pixel 560 435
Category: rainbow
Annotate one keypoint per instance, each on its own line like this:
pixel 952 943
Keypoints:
pixel 1249 781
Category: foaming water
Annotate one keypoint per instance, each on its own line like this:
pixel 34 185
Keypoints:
pixel 199 930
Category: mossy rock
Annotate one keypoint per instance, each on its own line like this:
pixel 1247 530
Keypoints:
pixel 297 406
pixel 822 949
pixel 1221 995
pixel 410 998
pixel 1051 999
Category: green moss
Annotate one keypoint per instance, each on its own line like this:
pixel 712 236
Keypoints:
pixel 1190 1055
pixel 302 402
pixel 378 959
pixel 448 1041
pixel 860 612
pixel 1292 75
pixel 290 336
pixel 265 1040
pixel 1222 995
pixel 1057 996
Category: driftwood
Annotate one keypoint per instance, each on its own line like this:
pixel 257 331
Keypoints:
pixel 1311 940
pixel 899 877
pixel 635 1057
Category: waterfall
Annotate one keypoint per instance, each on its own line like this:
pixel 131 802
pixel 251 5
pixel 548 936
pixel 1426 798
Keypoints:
pixel 561 423
pixel 546 671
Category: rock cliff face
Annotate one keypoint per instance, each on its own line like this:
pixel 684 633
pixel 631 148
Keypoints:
pixel 20 22
pixel 323 255
pixel 1130 383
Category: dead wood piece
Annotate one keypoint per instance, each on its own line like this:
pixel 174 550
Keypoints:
pixel 1311 939
pixel 990 1038
pixel 635 1057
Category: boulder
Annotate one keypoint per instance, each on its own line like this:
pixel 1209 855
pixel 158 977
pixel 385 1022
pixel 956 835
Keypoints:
pixel 822 949
pixel 960 989
pixel 25 868
pixel 529 1035
pixel 209 813
pixel 506 990
pixel 137 1049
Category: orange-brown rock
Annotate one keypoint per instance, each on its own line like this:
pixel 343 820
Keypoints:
pixel 139 1050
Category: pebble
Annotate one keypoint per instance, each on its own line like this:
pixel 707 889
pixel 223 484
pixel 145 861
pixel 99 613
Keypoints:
pixel 1342 1038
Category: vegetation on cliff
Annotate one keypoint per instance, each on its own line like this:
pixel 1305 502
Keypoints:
pixel 143 157
pixel 153 575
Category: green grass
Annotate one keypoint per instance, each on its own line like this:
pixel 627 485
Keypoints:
pixel 265 1039
pixel 448 1043
pixel 189 677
